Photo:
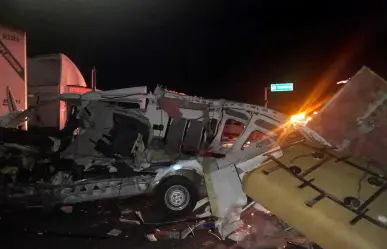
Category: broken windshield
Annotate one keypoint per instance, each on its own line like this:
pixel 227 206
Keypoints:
pixel 232 130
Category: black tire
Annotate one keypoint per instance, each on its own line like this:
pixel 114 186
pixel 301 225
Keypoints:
pixel 177 186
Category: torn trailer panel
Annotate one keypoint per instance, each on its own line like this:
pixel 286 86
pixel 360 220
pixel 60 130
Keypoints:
pixel 355 119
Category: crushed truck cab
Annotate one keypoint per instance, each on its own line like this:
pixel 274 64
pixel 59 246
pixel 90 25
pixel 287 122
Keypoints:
pixel 128 142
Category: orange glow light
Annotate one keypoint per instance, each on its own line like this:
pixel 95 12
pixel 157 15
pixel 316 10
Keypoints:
pixel 298 117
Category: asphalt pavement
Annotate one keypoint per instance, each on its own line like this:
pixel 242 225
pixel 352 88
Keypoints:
pixel 135 223
pixel 98 225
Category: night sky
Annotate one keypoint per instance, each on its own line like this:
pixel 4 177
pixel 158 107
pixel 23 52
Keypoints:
pixel 216 49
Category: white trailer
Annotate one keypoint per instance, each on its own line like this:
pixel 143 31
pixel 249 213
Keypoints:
pixel 48 77
pixel 12 69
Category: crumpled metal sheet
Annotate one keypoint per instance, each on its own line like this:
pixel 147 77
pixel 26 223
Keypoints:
pixel 171 106
pixel 107 130
pixel 355 119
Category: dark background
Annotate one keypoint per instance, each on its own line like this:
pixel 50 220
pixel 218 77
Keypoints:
pixel 217 49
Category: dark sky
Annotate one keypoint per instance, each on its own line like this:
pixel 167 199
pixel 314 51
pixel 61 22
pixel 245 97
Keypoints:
pixel 218 49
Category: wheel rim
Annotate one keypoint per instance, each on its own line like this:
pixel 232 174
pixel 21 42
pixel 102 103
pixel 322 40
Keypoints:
pixel 176 197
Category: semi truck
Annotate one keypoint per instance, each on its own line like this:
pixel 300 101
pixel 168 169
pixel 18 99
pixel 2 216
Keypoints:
pixel 13 66
pixel 33 80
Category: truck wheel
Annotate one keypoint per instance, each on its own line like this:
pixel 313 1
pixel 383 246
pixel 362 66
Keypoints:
pixel 178 196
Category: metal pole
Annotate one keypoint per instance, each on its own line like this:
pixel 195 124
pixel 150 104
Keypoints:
pixel 266 101
pixel 93 78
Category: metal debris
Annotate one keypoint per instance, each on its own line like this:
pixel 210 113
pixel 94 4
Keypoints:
pixel 67 209
pixel 201 203
pixel 126 211
pixel 161 234
pixel 139 215
pixel 130 221
pixel 206 213
pixel 151 237
pixel 189 229
pixel 114 232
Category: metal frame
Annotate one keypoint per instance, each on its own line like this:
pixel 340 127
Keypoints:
pixel 359 211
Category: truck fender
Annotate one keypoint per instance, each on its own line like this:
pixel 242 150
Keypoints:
pixel 190 169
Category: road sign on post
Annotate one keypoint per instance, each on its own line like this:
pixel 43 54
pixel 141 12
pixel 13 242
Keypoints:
pixel 283 87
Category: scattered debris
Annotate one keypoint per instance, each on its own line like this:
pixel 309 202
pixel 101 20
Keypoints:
pixel 206 213
pixel 231 221
pixel 126 211
pixel 139 215
pixel 215 235
pixel 130 221
pixel 114 232
pixel 189 229
pixel 106 212
pixel 67 209
pixel 201 203
pixel 162 234
pixel 151 237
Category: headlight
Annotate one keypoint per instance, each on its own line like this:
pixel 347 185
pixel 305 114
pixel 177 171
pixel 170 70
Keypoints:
pixel 300 119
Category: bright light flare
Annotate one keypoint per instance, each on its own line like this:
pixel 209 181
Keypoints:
pixel 298 117
pixel 342 82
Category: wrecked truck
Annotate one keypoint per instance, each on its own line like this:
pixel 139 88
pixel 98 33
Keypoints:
pixel 334 179
pixel 128 142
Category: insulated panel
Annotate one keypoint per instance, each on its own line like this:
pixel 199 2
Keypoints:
pixel 355 119
pixel 335 200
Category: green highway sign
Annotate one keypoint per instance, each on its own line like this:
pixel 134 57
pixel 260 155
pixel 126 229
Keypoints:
pixel 283 87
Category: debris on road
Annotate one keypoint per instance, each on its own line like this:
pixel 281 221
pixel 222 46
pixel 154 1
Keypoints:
pixel 151 237
pixel 67 209
pixel 114 232
pixel 139 215
pixel 126 211
pixel 123 220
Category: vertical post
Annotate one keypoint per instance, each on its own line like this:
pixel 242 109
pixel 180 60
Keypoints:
pixel 93 78
pixel 266 101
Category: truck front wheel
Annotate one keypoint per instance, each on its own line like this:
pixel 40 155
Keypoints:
pixel 178 196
